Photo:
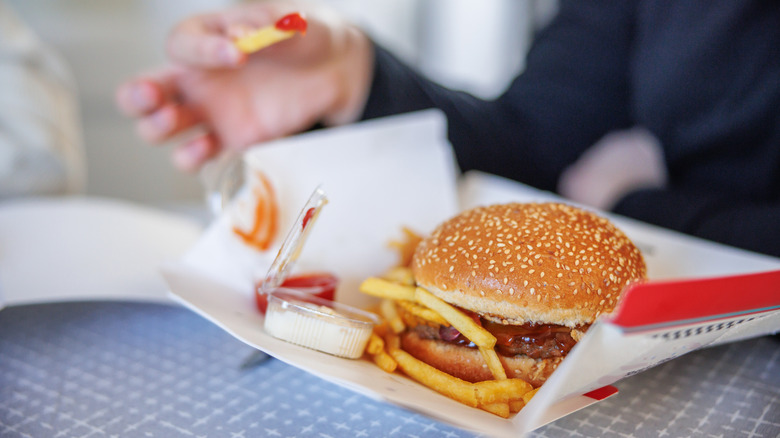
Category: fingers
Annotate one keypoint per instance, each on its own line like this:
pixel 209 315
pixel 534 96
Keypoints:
pixel 166 122
pixel 146 94
pixel 200 42
pixel 193 154
pixel 138 98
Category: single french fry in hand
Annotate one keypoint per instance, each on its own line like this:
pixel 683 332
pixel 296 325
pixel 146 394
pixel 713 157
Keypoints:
pixel 390 313
pixel 475 333
pixel 529 395
pixel 387 289
pixel 262 38
pixel 494 363
pixel 286 28
pixel 495 391
pixel 375 344
pixel 499 408
pixel 385 362
pixel 400 274
pixel 439 381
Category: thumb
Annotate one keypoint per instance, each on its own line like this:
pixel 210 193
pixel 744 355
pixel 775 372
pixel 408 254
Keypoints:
pixel 194 43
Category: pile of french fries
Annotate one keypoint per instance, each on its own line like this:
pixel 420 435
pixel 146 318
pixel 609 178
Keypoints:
pixel 501 396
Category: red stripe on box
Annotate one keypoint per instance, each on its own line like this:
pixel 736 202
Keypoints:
pixel 602 393
pixel 666 302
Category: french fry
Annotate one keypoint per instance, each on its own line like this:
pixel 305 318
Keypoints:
pixel 529 395
pixel 286 28
pixel 375 344
pixel 262 38
pixel 516 405
pixel 493 363
pixel 499 408
pixel 392 341
pixel 501 391
pixel 476 334
pixel 406 246
pixel 382 328
pixel 401 275
pixel 390 313
pixel 385 362
pixel 387 289
pixel 439 381
pixel 422 312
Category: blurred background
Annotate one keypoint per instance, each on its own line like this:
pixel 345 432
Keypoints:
pixel 463 44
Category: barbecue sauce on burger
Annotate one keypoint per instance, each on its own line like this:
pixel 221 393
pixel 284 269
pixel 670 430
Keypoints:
pixel 538 341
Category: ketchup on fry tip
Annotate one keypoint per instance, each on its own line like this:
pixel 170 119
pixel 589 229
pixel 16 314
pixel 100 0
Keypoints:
pixel 293 22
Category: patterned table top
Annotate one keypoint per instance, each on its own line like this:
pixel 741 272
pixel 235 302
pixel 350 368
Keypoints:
pixel 118 369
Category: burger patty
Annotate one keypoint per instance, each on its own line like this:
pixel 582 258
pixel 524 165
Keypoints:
pixel 538 341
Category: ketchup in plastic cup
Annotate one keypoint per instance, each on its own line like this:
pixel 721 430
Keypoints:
pixel 321 284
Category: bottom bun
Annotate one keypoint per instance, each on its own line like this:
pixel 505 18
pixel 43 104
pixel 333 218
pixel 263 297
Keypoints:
pixel 467 363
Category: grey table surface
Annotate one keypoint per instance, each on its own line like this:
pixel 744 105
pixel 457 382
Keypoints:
pixel 124 369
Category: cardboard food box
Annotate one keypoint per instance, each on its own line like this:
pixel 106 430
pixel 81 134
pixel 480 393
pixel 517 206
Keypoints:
pixel 399 172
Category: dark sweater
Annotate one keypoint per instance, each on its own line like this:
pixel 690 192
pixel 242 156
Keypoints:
pixel 703 76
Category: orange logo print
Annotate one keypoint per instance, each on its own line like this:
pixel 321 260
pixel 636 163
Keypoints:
pixel 265 215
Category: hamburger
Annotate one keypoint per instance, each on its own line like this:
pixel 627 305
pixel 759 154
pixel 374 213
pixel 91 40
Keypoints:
pixel 536 276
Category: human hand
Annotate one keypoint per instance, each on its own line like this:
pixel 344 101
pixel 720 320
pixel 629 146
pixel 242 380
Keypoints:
pixel 226 99
pixel 615 166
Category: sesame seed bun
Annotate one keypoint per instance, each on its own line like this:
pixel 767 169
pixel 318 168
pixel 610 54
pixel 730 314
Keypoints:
pixel 515 263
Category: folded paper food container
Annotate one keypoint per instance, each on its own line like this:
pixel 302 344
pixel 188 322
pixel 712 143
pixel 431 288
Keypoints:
pixel 384 175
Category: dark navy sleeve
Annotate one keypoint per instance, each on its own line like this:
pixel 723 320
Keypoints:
pixel 576 87
pixel 750 225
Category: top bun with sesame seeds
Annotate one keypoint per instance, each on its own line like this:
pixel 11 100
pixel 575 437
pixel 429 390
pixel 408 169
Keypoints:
pixel 546 263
